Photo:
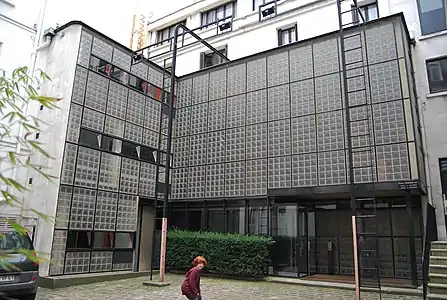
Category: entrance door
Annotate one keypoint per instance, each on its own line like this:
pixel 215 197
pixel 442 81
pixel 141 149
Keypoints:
pixel 286 238
pixel 147 216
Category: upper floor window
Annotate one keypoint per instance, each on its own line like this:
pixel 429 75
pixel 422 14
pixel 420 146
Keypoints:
pixel 212 59
pixel 437 74
pixel 165 34
pixel 369 11
pixel 432 15
pixel 443 171
pixel 287 35
pixel 219 13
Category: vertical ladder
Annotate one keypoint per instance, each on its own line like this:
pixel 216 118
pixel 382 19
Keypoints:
pixel 360 137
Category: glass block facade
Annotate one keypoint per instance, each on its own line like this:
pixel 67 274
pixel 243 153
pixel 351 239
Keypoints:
pixel 109 159
pixel 277 120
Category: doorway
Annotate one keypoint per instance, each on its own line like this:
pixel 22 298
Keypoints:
pixel 293 229
pixel 146 233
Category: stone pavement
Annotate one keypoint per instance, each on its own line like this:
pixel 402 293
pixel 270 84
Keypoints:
pixel 212 289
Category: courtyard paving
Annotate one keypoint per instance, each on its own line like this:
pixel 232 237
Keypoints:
pixel 212 289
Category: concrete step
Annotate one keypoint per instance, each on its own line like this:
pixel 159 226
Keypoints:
pixel 439 245
pixel 436 296
pixel 438 278
pixel 438 252
pixel 437 288
pixel 438 269
pixel 438 260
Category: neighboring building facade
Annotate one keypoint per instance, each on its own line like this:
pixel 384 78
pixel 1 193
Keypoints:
pixel 104 139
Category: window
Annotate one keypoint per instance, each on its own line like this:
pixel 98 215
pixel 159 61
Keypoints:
pixel 119 75
pixel 79 239
pixel 287 35
pixel 212 59
pixel 369 12
pixel 216 220
pixel 165 34
pixel 432 15
pixel 124 240
pixel 100 66
pixel 41 107
pixel 111 144
pixel 30 180
pixel 437 74
pixel 257 3
pixel 103 240
pixel 89 138
pixel 443 170
pixel 37 135
pixel 219 13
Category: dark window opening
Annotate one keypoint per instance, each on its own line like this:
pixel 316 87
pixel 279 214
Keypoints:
pixel 437 75
pixel 103 240
pixel 147 154
pixel 257 3
pixel 216 220
pixel 89 138
pixel 41 107
pixel 195 219
pixel 79 239
pixel 178 219
pixel 119 75
pixel 138 84
pixel 212 59
pixel 443 170
pixel 123 257
pixel 235 220
pixel 432 15
pixel 124 240
pixel 287 35
pixel 111 144
pixel 369 12
pixel 165 34
pixel 130 149
pixel 37 135
pixel 30 181
pixel 219 13
pixel 100 65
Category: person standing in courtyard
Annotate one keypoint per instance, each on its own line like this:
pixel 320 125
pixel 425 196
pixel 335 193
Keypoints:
pixel 191 284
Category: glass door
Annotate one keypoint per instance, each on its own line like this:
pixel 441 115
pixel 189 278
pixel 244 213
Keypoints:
pixel 286 237
pixel 311 243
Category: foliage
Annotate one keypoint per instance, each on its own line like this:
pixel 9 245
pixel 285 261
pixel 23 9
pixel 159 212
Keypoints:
pixel 17 93
pixel 227 254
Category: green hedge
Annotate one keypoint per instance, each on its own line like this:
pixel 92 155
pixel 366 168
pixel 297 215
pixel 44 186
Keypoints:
pixel 227 254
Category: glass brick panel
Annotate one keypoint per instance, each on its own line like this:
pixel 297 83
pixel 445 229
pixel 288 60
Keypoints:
pixel 304 170
pixel 82 209
pixel 236 111
pixel 105 216
pixel 127 213
pixel 140 70
pixel 215 178
pixel 256 177
pixel 196 182
pixel 147 179
pixel 87 168
pixel 236 80
pixel 279 172
pixel 380 43
pixel 199 118
pixel 58 252
pixel 304 135
pixel 130 169
pixel 385 82
pixel 328 92
pixel 278 69
pixel 117 101
pixel 133 133
pixel 77 262
pixel 234 179
pixel 301 63
pixel 256 141
pixel 155 77
pixel 114 127
pixel 93 120
pixel 218 84
pixel 179 183
pixel 79 85
pixel 330 131
pixel 63 207
pixel 102 49
pixel 197 150
pixel 135 108
pixel 302 98
pixel 362 161
pixel 182 121
pixel 217 115
pixel 216 147
pixel 181 151
pixel 184 92
pixel 101 261
pixel 235 144
pixel 96 95
pixel 150 138
pixel 121 59
pixel 256 74
pixel 200 85
pixel 69 163
pixel 389 122
pixel 84 49
pixel 74 123
pixel 109 172
pixel 278 102
pixel 326 57
pixel 279 138
pixel 152 115
pixel 332 168
pixel 392 162
pixel 256 107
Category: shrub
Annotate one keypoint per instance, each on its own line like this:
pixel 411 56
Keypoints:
pixel 227 254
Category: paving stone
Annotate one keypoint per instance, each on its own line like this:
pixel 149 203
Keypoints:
pixel 212 289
